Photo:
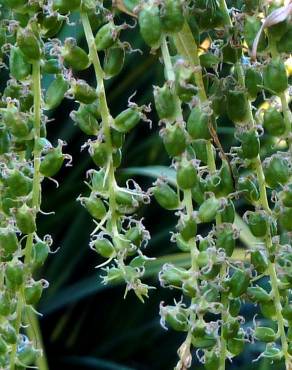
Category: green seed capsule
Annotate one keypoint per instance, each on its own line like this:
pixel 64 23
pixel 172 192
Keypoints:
pixel 234 307
pixel 208 209
pixel 212 360
pixel 198 124
pixel 198 192
pixel 230 328
pixel 5 304
pixel 18 65
pixel 9 334
pixel 99 153
pixel 205 341
pixel 15 4
pixel 4 141
pixel 29 44
pixel 236 345
pixel 275 77
pixel 85 120
pixel 250 144
pixel 165 102
pixel 258 223
pixel 65 6
pixel 213 184
pixel 200 149
pixel 25 219
pixel 285 219
pixel 209 60
pixel 171 15
pixel 174 140
pixel 173 276
pixel 186 176
pixel 176 318
pixel 3 347
pixel 51 24
pixel 189 288
pixel 74 57
pixel 226 180
pixel 83 92
pixel 113 61
pixel 56 92
pixel 33 293
pixel 8 240
pixel 150 25
pixel 276 170
pixel 265 334
pixel 253 79
pixel 127 120
pixel 106 36
pixel 18 183
pixel 117 138
pixel 274 122
pixel 249 188
pixel 104 247
pixel 259 260
pixel 14 274
pixel 52 162
pixel 166 197
pixel 51 66
pixel 286 196
pixel 268 310
pixel 287 312
pixel 16 122
pixel 227 214
pixel 94 206
pixel 225 238
pixel 238 283
pixel 258 294
pixel 285 43
pixel 188 228
pixel 252 26
pixel 237 106
pixel 40 252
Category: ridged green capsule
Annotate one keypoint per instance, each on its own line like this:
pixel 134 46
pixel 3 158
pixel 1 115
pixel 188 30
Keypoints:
pixel 94 206
pixel 275 77
pixel 127 120
pixel 252 26
pixel 236 345
pixel 259 260
pixel 104 247
pixel 65 6
pixel 225 238
pixel 258 294
pixel 33 293
pixel 171 15
pixel 74 57
pixel 14 274
pixel 230 328
pixel 187 227
pixel 237 106
pixel 176 318
pixel 165 102
pixel 238 283
pixel 174 140
pixel 287 312
pixel 16 122
pixel 227 214
pixel 106 36
pixel 285 219
pixel 85 120
pixel 25 219
pixel 99 153
pixel 51 66
pixel 117 138
pixel 186 176
pixel 52 162
pixel 226 180
pixel 29 44
pixel 253 79
pixel 40 252
pixel 249 188
pixel 286 196
pixel 208 209
pixel 18 183
pixel 234 307
pixel 276 170
pixel 265 334
pixel 207 340
pixel 4 141
pixel 212 360
pixel 113 61
pixel 18 65
pixel 8 333
pixel 173 276
pixel 51 24
pixel 258 223
pixel 56 92
pixel 198 124
pixel 250 144
pixel 166 197
pixel 274 122
pixel 150 25
pixel 268 310
pixel 15 4
pixel 200 149
pixel 8 240
pixel 83 92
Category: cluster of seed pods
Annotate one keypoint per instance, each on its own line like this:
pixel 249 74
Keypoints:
pixel 201 89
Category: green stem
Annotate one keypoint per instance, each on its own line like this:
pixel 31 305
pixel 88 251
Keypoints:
pixel 106 118
pixel 36 200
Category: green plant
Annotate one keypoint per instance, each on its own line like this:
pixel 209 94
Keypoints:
pixel 203 86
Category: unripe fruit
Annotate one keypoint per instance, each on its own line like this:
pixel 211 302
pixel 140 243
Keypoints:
pixel 275 77
pixel 174 140
pixel 74 57
pixel 166 197
pixel 274 122
pixel 276 170
pixel 150 25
